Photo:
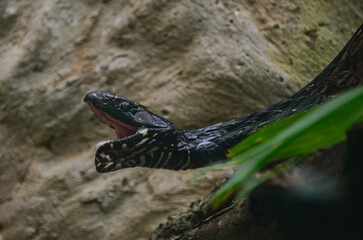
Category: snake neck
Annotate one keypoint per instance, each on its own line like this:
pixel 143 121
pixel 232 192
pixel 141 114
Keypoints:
pixel 199 147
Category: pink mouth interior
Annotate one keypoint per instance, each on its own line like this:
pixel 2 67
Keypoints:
pixel 122 130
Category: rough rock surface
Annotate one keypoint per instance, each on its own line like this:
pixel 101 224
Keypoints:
pixel 319 200
pixel 194 62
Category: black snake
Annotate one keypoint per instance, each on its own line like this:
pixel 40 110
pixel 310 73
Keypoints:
pixel 145 139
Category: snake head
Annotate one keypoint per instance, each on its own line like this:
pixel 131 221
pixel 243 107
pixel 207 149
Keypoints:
pixel 137 131
pixel 109 108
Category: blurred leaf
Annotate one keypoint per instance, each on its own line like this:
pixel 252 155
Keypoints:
pixel 259 178
pixel 300 134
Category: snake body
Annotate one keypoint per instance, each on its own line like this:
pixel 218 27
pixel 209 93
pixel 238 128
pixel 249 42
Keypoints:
pixel 145 139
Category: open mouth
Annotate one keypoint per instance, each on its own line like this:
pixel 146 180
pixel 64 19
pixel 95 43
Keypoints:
pixel 140 134
pixel 122 130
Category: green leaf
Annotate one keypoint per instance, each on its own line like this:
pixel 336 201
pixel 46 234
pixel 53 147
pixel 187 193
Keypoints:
pixel 300 134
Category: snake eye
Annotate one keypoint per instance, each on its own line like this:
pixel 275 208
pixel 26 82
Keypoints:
pixel 125 106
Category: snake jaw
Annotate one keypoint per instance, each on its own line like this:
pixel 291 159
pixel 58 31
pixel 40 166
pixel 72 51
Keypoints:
pixel 117 154
pixel 122 130
pixel 137 131
pixel 133 150
pixel 140 130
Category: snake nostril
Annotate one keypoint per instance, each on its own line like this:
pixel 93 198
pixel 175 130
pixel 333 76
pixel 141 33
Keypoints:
pixel 93 97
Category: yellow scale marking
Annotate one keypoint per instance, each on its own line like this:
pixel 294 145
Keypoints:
pixel 167 160
pixel 108 165
pixel 187 163
pixel 142 160
pixel 142 141
pixel 143 132
pixel 161 157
